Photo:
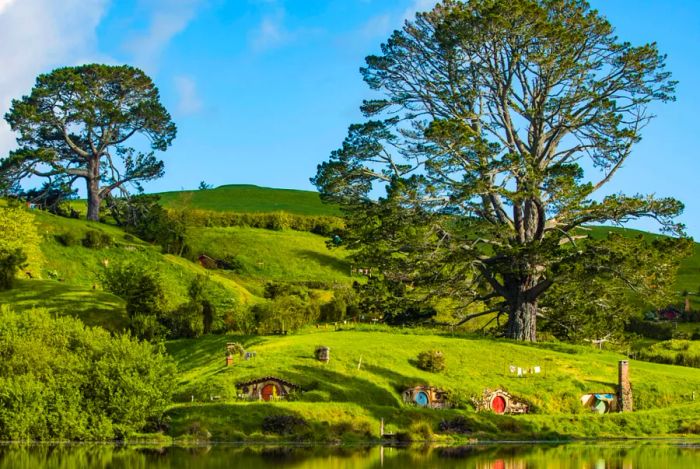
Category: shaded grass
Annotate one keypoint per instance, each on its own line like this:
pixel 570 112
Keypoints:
pixel 94 308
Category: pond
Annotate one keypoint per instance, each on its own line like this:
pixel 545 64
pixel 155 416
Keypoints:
pixel 593 455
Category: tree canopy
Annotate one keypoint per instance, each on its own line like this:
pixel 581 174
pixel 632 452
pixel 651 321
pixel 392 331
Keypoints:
pixel 75 124
pixel 495 126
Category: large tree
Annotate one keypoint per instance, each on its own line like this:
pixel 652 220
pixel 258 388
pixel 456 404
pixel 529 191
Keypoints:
pixel 75 124
pixel 485 115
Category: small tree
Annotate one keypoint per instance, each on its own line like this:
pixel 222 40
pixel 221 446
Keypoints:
pixel 75 124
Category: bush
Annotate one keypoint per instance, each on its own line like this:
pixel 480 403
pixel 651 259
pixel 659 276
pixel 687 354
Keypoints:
pixel 333 311
pixel 431 360
pixel 283 424
pixel 143 292
pixel 650 329
pixel 322 225
pixel 673 352
pixel 286 313
pixel 460 425
pixel 88 384
pixel 232 263
pixel 68 239
pixel 10 262
pixel 96 240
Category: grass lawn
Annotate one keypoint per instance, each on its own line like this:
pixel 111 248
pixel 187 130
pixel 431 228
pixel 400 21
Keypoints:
pixel 93 307
pixel 339 391
pixel 249 198
pixel 274 255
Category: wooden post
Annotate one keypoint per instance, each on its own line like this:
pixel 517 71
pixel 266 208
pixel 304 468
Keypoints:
pixel 624 390
pixel 381 428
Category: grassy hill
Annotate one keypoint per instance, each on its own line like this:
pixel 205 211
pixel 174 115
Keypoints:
pixel 249 198
pixel 68 281
pixel 342 394
pixel 341 400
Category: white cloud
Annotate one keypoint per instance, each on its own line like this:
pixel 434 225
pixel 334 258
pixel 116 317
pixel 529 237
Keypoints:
pixel 38 35
pixel 271 32
pixel 5 3
pixel 168 18
pixel 189 101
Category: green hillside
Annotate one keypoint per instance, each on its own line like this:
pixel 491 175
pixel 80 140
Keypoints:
pixel 249 198
pixel 369 369
pixel 68 282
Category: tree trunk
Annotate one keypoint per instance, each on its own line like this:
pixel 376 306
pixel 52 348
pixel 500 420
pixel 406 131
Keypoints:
pixel 522 322
pixel 522 317
pixel 93 193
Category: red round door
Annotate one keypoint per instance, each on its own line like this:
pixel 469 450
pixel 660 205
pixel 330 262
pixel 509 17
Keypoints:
pixel 268 391
pixel 498 404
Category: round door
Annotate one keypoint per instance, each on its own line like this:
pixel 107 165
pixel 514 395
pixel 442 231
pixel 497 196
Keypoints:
pixel 268 391
pixel 498 404
pixel 421 398
pixel 600 407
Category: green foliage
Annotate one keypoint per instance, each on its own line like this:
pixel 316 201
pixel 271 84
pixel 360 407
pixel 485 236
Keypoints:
pixel 477 153
pixel 431 360
pixel 18 232
pixel 333 311
pixel 62 123
pixel 95 239
pixel 650 329
pixel 10 263
pixel 276 221
pixel 68 239
pixel 608 281
pixel 284 313
pixel 142 290
pixel 283 424
pixel 673 352
pixel 61 380
pixel 143 216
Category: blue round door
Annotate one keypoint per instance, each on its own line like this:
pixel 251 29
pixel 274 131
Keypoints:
pixel 421 398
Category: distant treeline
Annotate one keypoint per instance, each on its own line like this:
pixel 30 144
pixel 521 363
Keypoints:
pixel 320 224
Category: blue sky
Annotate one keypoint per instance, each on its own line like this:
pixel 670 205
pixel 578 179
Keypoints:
pixel 263 90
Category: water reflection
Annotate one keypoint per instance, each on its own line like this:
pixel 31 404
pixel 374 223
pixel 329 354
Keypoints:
pixel 493 456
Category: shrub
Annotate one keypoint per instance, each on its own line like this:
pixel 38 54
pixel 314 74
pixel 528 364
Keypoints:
pixel 96 240
pixel 68 239
pixel 143 292
pixel 333 311
pixel 88 385
pixel 431 360
pixel 286 313
pixel 650 329
pixel 232 263
pixel 10 262
pixel 460 425
pixel 283 424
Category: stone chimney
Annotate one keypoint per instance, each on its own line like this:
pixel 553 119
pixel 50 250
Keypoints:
pixel 624 389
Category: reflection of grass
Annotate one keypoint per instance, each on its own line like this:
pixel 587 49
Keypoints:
pixel 373 391
pixel 93 307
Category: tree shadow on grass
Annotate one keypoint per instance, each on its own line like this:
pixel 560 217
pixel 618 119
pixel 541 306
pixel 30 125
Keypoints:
pixel 93 307
pixel 325 260
pixel 342 388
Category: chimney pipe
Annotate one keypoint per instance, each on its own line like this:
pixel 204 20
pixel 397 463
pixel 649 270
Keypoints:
pixel 624 389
